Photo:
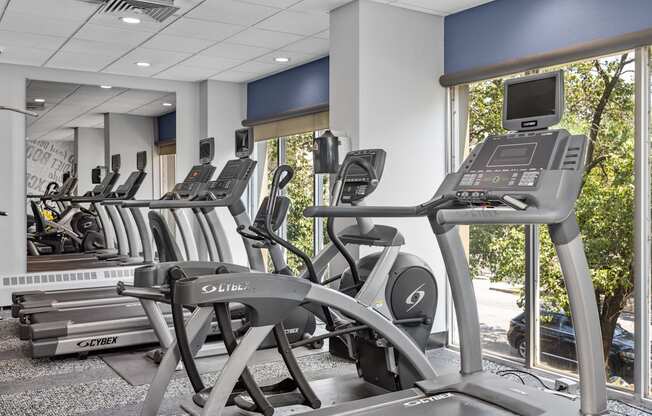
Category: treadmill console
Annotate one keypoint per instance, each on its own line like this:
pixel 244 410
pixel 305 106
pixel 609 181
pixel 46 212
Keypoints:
pixel 190 186
pixel 357 184
pixel 232 182
pixel 515 165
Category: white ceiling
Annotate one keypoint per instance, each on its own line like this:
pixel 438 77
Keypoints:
pixel 227 40
pixel 73 105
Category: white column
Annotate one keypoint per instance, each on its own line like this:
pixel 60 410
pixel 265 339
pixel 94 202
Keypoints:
pixel 222 109
pixel 384 93
pixel 12 171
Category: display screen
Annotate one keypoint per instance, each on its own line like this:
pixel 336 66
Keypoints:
pixel 243 142
pixel 205 150
pixel 194 175
pixel 509 155
pixel 532 99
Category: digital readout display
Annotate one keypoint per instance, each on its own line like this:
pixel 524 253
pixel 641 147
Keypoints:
pixel 511 155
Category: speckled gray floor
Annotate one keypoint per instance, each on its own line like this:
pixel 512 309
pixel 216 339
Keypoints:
pixel 68 386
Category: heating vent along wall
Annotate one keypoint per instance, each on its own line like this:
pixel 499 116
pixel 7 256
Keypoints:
pixel 63 280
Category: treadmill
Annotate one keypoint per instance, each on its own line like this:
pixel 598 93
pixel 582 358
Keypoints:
pixel 38 301
pixel 83 260
pixel 529 176
pixel 88 323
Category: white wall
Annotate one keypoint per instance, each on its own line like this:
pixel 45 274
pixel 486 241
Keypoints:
pixel 12 135
pixel 385 62
pixel 126 135
pixel 89 153
pixel 12 171
pixel 222 109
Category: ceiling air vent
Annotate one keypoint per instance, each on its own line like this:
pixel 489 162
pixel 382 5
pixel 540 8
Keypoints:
pixel 31 105
pixel 158 10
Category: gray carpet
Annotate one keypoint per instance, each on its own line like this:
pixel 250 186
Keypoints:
pixel 69 386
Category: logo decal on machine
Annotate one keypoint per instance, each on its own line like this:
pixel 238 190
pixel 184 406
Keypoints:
pixel 426 400
pixel 415 298
pixel 97 342
pixel 226 287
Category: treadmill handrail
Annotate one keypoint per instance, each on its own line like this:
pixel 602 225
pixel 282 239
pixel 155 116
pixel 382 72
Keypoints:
pixel 187 203
pixel 136 203
pixel 362 211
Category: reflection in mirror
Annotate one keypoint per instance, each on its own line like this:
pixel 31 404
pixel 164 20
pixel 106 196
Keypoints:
pixel 90 148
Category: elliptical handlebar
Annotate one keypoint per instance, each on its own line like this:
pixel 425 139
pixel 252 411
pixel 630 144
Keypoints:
pixel 282 177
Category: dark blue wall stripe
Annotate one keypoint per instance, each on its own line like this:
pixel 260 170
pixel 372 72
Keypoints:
pixel 509 29
pixel 167 127
pixel 295 89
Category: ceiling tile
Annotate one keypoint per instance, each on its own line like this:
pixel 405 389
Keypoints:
pixel 323 6
pixel 279 4
pixel 201 29
pixel 264 38
pixel 295 58
pixel 80 61
pixel 186 73
pixel 178 43
pixel 185 5
pixel 234 76
pixel 95 47
pixel 258 68
pixel 21 56
pixel 159 60
pixel 99 33
pixel 29 23
pixel 52 92
pixel 59 9
pixel 94 95
pixel 309 46
pixel 87 120
pixel 138 97
pixel 297 23
pixel 235 51
pixel 211 62
pixel 30 40
pixel 234 12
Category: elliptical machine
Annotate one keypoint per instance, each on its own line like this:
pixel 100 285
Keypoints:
pixel 398 285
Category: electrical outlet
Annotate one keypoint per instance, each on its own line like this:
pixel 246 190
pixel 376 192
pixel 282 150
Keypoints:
pixel 566 385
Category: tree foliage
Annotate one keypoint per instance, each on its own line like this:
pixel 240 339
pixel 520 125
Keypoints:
pixel 600 104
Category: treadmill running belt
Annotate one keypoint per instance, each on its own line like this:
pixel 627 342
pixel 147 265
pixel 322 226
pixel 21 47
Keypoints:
pixel 443 404
pixel 95 314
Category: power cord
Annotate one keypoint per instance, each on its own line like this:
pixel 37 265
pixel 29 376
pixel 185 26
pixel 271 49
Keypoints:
pixel 534 376
pixel 515 375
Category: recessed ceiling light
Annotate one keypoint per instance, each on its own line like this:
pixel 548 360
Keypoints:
pixel 143 64
pixel 106 87
pixel 130 20
pixel 39 100
pixel 282 59
pixel 167 104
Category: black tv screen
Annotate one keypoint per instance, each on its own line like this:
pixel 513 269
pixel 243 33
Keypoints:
pixel 531 99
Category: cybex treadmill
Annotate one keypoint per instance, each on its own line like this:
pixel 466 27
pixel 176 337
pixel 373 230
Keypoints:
pixel 83 328
pixel 532 176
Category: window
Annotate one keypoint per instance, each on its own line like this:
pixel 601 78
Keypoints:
pixel 600 104
pixel 304 190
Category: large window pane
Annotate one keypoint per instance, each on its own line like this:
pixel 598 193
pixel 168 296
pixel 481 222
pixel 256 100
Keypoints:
pixel 301 191
pixel 496 253
pixel 599 104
